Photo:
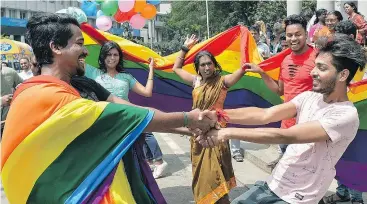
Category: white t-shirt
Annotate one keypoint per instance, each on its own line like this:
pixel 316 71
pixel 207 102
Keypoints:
pixel 263 49
pixel 306 171
pixel 26 75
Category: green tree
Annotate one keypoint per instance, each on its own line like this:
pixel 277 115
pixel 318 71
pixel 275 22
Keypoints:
pixel 189 17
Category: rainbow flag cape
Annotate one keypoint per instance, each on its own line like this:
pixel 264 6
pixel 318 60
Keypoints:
pixel 60 148
pixel 231 48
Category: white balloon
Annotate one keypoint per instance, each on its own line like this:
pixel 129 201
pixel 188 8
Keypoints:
pixel 77 13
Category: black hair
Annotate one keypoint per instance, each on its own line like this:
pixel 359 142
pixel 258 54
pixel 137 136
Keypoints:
pixel 212 58
pixel 296 19
pixel 307 14
pixel 44 28
pixel 6 64
pixel 282 37
pixel 24 57
pixel 254 28
pixel 353 5
pixel 338 15
pixel 103 55
pixel 346 27
pixel 318 14
pixel 346 54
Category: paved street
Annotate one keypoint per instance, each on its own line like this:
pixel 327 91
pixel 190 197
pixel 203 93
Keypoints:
pixel 176 185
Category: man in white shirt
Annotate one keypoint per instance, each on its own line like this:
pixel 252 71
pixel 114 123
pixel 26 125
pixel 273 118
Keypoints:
pixel 327 122
pixel 26 72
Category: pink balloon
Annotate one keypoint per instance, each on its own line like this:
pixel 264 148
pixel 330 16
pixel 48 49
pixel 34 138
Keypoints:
pixel 104 23
pixel 137 21
pixel 126 5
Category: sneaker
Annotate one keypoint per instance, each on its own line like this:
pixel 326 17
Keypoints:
pixel 334 198
pixel 237 156
pixel 159 170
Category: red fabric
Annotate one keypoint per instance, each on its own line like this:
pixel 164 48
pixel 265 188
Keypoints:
pixel 361 25
pixel 275 61
pixel 295 73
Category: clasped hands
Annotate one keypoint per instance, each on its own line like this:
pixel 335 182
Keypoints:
pixel 205 127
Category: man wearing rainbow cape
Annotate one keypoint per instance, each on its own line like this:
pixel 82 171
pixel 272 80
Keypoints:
pixel 60 148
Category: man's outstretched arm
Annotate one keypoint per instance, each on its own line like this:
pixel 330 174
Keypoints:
pixel 301 133
pixel 174 122
pixel 261 116
pixel 166 122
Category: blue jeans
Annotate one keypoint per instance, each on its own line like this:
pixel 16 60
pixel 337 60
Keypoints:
pixel 152 151
pixel 259 193
pixel 344 191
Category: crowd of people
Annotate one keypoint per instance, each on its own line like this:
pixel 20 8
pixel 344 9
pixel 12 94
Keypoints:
pixel 313 79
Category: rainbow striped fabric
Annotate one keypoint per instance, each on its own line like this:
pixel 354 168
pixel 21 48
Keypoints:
pixel 60 148
pixel 231 48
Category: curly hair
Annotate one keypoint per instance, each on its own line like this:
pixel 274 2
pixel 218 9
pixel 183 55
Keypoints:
pixel 296 19
pixel 346 54
pixel 44 28
pixel 346 27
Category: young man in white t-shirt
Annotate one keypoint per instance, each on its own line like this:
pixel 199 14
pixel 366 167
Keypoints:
pixel 326 124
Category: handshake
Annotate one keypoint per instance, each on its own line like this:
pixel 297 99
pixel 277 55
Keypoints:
pixel 205 126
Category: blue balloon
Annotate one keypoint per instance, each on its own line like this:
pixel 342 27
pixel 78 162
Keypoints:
pixel 153 2
pixel 89 8
pixel 100 13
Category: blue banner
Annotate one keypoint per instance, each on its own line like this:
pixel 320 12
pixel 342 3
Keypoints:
pixel 13 22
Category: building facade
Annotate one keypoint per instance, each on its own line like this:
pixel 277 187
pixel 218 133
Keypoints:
pixel 15 15
pixel 295 6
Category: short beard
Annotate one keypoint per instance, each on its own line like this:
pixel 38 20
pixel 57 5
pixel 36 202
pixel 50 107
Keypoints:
pixel 80 71
pixel 329 87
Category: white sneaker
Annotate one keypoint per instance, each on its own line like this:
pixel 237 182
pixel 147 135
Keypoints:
pixel 159 170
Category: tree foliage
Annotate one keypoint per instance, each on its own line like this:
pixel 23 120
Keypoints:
pixel 189 17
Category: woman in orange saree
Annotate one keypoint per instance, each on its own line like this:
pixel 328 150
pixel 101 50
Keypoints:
pixel 212 169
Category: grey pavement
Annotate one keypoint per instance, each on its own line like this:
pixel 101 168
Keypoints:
pixel 176 182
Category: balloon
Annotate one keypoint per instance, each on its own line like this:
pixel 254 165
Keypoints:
pixel 104 23
pixel 153 2
pixel 120 16
pixel 77 13
pixel 109 7
pixel 139 5
pixel 126 5
pixel 99 1
pixel 89 8
pixel 62 11
pixel 137 21
pixel 124 16
pixel 99 13
pixel 149 11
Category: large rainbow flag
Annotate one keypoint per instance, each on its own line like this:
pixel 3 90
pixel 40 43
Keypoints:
pixel 231 48
pixel 60 148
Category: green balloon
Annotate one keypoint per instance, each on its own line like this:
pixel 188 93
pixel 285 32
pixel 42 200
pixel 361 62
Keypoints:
pixel 109 7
